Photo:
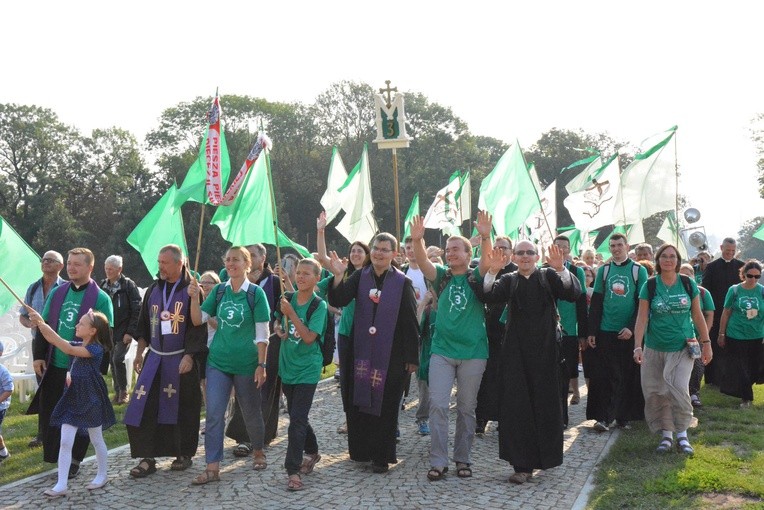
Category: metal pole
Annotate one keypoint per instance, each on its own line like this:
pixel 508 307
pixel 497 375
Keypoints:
pixel 676 203
pixel 397 201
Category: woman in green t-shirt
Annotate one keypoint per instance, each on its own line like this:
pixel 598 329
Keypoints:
pixel 740 334
pixel 665 321
pixel 236 359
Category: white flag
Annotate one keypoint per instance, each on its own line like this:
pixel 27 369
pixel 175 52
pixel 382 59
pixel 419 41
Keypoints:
pixel 358 224
pixel 581 181
pixel 636 234
pixel 545 219
pixel 592 205
pixel 451 205
pixel 668 233
pixel 648 184
pixel 331 201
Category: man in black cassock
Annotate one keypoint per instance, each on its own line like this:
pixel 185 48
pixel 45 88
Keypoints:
pixel 382 350
pixel 530 410
pixel 162 418
pixel 719 276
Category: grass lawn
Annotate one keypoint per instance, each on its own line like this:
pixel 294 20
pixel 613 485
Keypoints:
pixel 19 429
pixel 727 470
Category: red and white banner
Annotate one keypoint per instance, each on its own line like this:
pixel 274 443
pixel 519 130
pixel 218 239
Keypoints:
pixel 212 151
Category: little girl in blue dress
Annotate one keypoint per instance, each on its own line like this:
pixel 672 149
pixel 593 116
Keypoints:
pixel 85 404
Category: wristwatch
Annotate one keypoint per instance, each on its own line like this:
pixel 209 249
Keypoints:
pixel 261 365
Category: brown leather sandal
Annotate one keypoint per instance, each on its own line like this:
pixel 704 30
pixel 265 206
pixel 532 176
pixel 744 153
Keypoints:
pixel 206 477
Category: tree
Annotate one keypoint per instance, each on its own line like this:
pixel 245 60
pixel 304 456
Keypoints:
pixel 757 134
pixel 749 246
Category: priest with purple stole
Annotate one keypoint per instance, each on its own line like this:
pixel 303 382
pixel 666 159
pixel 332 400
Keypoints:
pixel 383 348
pixel 162 417
pixel 64 307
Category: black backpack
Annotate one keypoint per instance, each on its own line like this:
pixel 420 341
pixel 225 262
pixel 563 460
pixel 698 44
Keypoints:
pixel 327 342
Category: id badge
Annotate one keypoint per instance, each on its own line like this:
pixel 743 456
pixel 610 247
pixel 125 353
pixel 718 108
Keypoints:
pixel 166 327
pixel 751 313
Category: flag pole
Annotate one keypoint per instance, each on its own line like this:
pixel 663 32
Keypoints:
pixel 543 213
pixel 273 212
pixel 397 200
pixel 676 195
pixel 21 302
pixel 199 240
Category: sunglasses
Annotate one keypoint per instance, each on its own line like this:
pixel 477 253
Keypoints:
pixel 757 276
pixel 520 253
pixel 50 261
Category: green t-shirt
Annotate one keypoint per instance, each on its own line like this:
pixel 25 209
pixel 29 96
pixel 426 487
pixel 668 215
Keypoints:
pixel 706 304
pixel 566 309
pixel 619 304
pixel 69 317
pixel 747 319
pixel 670 323
pixel 301 363
pixel 322 287
pixel 460 323
pixel 233 349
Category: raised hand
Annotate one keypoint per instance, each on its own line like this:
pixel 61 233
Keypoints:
pixel 483 224
pixel 337 265
pixel 497 259
pixel 555 259
pixel 321 221
pixel 417 228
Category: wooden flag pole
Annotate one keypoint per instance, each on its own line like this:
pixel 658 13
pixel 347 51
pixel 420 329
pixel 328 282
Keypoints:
pixel 676 195
pixel 199 240
pixel 21 302
pixel 397 199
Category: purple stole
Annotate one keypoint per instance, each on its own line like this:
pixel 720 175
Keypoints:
pixel 56 302
pixel 373 338
pixel 165 364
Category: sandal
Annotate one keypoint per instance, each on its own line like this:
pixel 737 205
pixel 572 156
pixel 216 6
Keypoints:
pixel 259 462
pixel 181 463
pixel 435 474
pixel 575 400
pixel 140 472
pixel 295 483
pixel 242 450
pixel 207 477
pixel 665 445
pixel 463 470
pixel 683 446
pixel 308 463
pixel 520 478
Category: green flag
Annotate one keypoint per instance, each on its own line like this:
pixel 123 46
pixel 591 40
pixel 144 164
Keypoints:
pixel 20 267
pixel 162 225
pixel 669 232
pixel 249 218
pixel 194 187
pixel 759 234
pixel 508 192
pixel 413 211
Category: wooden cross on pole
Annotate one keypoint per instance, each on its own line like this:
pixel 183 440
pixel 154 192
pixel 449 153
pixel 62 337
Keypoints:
pixel 388 91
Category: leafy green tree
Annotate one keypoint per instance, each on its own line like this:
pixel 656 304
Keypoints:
pixel 749 246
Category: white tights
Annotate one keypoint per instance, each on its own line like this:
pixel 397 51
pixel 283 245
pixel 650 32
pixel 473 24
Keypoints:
pixel 68 432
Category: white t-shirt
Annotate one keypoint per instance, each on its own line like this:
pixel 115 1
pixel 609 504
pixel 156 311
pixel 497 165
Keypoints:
pixel 420 287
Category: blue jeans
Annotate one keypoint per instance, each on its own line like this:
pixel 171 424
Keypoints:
pixel 300 436
pixel 218 392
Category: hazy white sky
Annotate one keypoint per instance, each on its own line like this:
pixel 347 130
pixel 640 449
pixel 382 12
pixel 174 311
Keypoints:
pixel 510 70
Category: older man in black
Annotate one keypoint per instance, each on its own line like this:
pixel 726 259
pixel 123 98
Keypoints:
pixel 719 276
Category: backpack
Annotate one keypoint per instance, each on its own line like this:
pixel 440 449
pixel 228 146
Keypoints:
pixel 326 342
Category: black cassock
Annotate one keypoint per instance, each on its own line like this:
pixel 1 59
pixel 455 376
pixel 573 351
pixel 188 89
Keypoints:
pixel 530 410
pixel 372 438
pixel 153 439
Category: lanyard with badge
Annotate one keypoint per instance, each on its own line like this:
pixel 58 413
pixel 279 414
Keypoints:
pixel 165 315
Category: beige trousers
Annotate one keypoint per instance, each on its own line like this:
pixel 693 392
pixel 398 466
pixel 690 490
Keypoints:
pixel 665 379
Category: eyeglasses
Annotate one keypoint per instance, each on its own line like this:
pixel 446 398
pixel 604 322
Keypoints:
pixel 757 276
pixel 520 253
pixel 381 250
pixel 207 283
pixel 502 247
pixel 668 257
pixel 50 260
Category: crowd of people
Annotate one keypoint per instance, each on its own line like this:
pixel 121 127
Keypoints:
pixel 512 328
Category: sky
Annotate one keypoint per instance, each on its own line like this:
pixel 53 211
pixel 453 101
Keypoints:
pixel 511 70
